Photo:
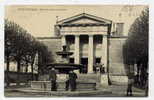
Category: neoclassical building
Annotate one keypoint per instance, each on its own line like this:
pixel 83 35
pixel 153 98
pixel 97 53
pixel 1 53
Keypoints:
pixel 87 36
pixel 94 40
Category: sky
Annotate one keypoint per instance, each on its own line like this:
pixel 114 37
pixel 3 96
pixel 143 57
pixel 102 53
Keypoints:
pixel 39 20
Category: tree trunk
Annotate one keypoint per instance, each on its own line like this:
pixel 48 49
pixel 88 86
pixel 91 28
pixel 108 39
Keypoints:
pixel 138 70
pixel 8 64
pixel 18 72
pixel 26 67
pixel 32 72
pixel 26 71
pixel 7 72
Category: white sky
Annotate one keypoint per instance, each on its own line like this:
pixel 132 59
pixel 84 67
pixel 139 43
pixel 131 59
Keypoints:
pixel 40 20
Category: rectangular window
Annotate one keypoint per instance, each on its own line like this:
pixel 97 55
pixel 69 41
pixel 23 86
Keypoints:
pixel 119 29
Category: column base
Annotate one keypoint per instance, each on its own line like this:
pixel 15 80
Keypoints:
pixel 104 80
pixel 90 69
pixel 77 71
pixel 90 72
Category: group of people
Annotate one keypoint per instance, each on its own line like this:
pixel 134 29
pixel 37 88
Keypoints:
pixel 99 68
pixel 70 82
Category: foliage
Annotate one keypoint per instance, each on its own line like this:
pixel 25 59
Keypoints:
pixel 136 47
pixel 21 47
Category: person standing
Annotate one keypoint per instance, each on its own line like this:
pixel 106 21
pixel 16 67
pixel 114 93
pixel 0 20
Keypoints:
pixel 53 78
pixel 102 69
pixel 72 80
pixel 130 85
pixel 67 83
pixel 147 85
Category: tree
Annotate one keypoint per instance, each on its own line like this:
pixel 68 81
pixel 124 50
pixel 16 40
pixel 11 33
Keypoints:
pixel 21 47
pixel 136 47
pixel 10 33
pixel 45 57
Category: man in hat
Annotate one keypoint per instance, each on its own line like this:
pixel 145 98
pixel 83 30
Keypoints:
pixel 67 83
pixel 53 78
pixel 72 80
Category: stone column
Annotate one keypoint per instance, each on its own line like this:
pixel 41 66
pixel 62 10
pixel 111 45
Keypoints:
pixel 90 55
pixel 63 40
pixel 104 77
pixel 77 49
pixel 104 52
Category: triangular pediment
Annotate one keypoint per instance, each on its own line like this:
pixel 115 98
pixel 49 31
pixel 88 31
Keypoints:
pixel 84 19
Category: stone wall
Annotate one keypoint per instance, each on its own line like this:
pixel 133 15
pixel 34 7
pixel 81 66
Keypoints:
pixel 116 64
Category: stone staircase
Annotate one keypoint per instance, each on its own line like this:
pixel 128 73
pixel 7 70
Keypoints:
pixel 88 78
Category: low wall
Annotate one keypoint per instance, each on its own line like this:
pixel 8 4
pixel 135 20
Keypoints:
pixel 81 77
pixel 12 77
pixel 119 80
pixel 46 85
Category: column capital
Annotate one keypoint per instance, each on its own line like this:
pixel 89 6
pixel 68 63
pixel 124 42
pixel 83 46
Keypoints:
pixel 63 35
pixel 90 35
pixel 77 35
pixel 104 35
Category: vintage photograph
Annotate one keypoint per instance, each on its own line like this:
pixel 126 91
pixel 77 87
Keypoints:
pixel 76 51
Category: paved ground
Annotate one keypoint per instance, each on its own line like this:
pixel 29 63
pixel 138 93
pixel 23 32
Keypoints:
pixel 111 91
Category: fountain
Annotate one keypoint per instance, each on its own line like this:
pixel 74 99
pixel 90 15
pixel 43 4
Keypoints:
pixel 64 66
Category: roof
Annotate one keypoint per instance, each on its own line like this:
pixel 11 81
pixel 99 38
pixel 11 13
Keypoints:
pixel 48 38
pixel 84 15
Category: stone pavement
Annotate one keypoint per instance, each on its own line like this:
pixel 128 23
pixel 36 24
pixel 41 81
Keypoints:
pixel 108 91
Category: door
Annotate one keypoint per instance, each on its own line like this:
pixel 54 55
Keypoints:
pixel 84 61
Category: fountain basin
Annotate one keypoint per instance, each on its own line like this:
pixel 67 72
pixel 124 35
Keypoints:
pixel 64 53
pixel 65 66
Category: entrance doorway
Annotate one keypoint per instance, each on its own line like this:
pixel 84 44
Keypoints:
pixel 97 62
pixel 71 60
pixel 84 61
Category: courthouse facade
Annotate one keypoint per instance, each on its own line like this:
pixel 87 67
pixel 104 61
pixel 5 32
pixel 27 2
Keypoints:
pixel 93 40
pixel 86 36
